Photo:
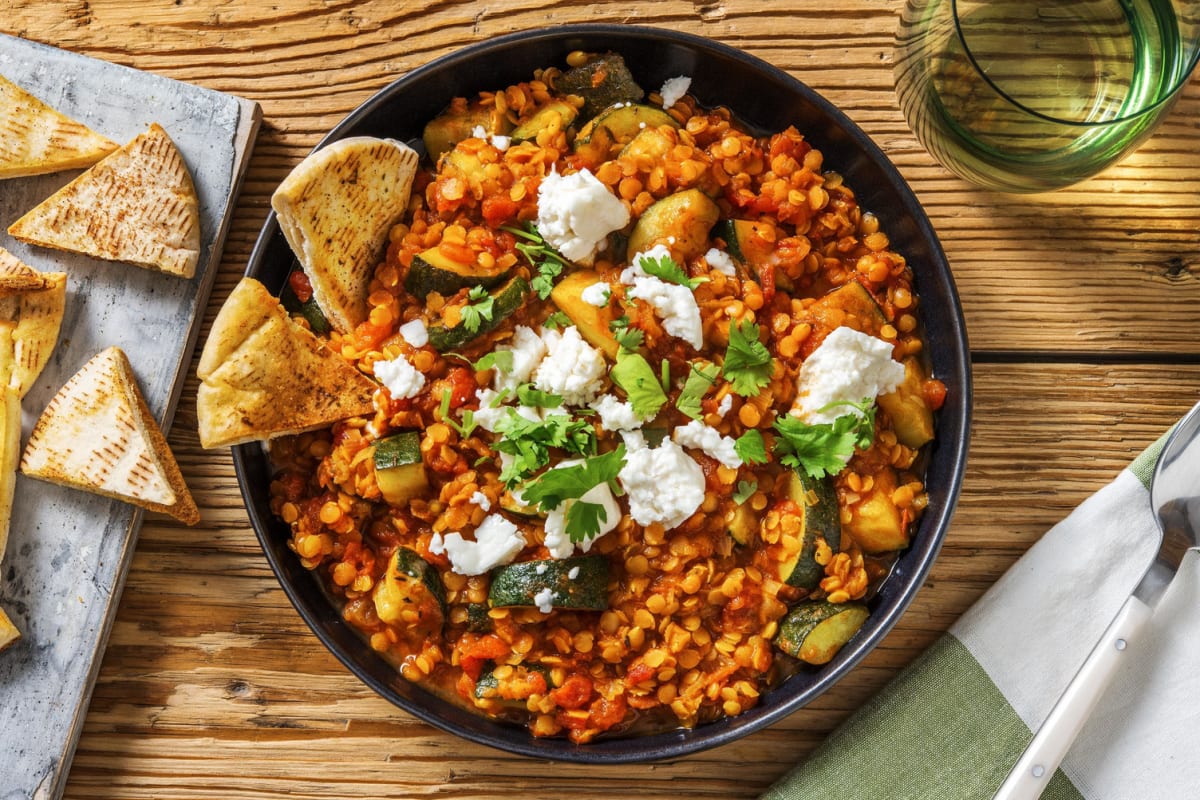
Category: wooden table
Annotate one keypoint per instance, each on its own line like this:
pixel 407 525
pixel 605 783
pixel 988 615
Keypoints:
pixel 1082 310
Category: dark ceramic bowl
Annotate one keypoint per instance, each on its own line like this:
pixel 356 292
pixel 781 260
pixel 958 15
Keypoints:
pixel 767 100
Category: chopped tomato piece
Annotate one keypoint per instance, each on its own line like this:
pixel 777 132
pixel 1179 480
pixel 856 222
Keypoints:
pixel 574 693
pixel 935 393
pixel 300 286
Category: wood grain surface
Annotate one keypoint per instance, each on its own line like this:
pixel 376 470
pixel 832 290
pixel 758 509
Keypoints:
pixel 1081 308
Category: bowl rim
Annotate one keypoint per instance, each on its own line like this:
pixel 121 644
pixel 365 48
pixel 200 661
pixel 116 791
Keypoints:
pixel 953 437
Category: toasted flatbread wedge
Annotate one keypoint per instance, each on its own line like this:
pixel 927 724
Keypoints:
pixel 138 205
pixel 98 435
pixel 31 314
pixel 17 276
pixel 10 451
pixel 8 631
pixel 263 375
pixel 36 139
pixel 335 209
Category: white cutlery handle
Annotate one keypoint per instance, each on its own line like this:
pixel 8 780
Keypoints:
pixel 1045 752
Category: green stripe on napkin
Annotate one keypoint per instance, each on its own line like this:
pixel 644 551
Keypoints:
pixel 907 742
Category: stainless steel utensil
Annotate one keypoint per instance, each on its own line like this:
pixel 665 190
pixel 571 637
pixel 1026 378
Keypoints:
pixel 1175 498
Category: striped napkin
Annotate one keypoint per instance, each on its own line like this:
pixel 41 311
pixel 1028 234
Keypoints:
pixel 951 725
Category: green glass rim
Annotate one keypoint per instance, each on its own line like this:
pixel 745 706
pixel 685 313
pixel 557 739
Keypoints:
pixel 1166 98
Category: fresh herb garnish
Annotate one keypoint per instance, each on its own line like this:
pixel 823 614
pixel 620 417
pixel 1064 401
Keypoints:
pixel 548 263
pixel 701 378
pixel 633 374
pixel 745 490
pixel 499 359
pixel 627 337
pixel 824 448
pixel 751 448
pixel 555 486
pixel 468 418
pixel 529 442
pixel 747 362
pixel 664 376
pixel 480 308
pixel 557 321
pixel 527 395
pixel 665 269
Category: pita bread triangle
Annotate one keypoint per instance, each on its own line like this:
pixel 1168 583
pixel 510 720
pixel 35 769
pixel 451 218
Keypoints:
pixel 36 139
pixel 10 451
pixel 335 209
pixel 263 375
pixel 138 205
pixel 8 631
pixel 31 314
pixel 98 435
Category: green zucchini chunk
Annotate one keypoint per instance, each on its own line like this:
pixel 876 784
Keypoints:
pixel 544 118
pixel 858 308
pixel 912 418
pixel 876 523
pixel 815 632
pixel 450 128
pixel 742 524
pixel 618 125
pixel 577 583
pixel 399 471
pixel 433 272
pixel 508 298
pixel 305 308
pixel 592 322
pixel 601 82
pixel 410 594
pixel 478 620
pixel 679 221
pixel 752 246
pixel 818 503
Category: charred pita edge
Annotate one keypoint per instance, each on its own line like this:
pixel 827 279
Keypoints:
pixel 36 139
pixel 68 428
pixel 263 375
pixel 335 210
pixel 137 206
pixel 17 276
pixel 35 334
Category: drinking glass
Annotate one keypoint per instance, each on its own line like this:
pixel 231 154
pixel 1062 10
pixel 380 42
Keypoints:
pixel 1034 95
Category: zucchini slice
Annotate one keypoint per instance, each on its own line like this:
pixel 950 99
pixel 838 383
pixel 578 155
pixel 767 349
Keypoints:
pixel 433 272
pixel 752 245
pixel 601 82
pixel 399 471
pixel 679 221
pixel 410 594
pixel 544 118
pixel 742 524
pixel 578 583
pixel 815 632
pixel 876 523
pixel 305 308
pixel 508 298
pixel 450 128
pixel 852 305
pixel 618 125
pixel 478 620
pixel 592 322
pixel 818 503
pixel 912 419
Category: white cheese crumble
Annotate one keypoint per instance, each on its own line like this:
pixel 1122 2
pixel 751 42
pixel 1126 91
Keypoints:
pixel 557 541
pixel 699 436
pixel 720 261
pixel 675 304
pixel 847 366
pixel 544 600
pixel 480 499
pixel 674 89
pixel 615 414
pixel 497 541
pixel 415 333
pixel 540 569
pixel 527 350
pixel 497 141
pixel 573 573
pixel 575 214
pixel 572 368
pixel 400 377
pixel 725 405
pixel 597 294
pixel 664 484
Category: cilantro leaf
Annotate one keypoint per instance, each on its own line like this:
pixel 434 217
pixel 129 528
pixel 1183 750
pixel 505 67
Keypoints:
pixel 529 442
pixel 745 490
pixel 529 396
pixel 747 362
pixel 664 376
pixel 751 448
pixel 627 337
pixel 863 426
pixel 665 269
pixel 468 424
pixel 554 486
pixel 583 520
pixel 819 449
pixel 701 378
pixel 480 308
pixel 557 321
pixel 499 359
pixel 542 257
pixel 634 374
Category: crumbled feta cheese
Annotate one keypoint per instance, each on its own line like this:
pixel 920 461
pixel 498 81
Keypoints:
pixel 699 436
pixel 575 214
pixel 573 573
pixel 497 541
pixel 400 377
pixel 415 333
pixel 540 569
pixel 634 440
pixel 480 499
pixel 597 294
pixel 674 89
pixel 497 141
pixel 572 368
pixel 847 366
pixel 557 541
pixel 491 413
pixel 664 484
pixel 720 261
pixel 528 350
pixel 675 305
pixel 544 600
pixel 725 405
pixel 634 271
pixel 616 415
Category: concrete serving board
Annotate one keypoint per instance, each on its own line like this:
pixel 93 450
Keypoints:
pixel 68 551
